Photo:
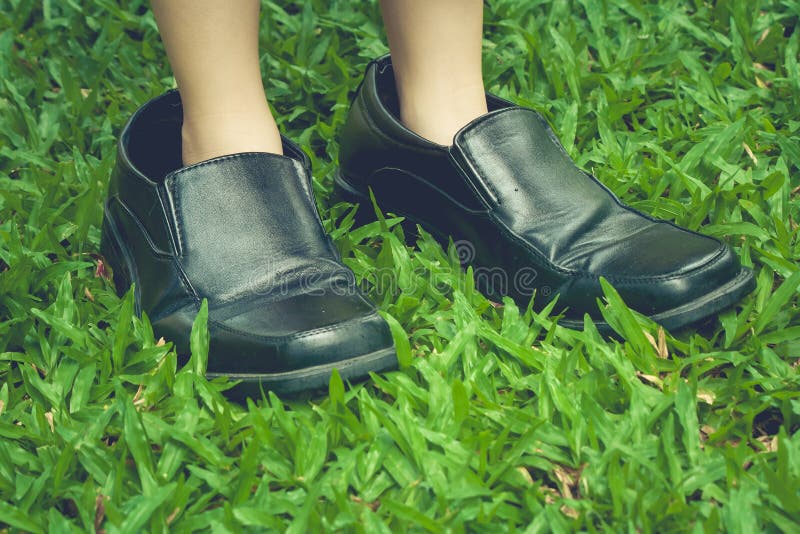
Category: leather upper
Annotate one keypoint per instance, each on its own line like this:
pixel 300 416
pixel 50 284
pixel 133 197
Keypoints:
pixel 243 232
pixel 536 190
pixel 508 189
pixel 232 244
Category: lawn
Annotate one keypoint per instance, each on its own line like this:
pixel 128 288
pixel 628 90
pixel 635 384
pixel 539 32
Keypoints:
pixel 499 419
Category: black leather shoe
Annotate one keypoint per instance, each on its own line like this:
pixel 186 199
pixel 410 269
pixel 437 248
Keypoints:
pixel 525 217
pixel 243 232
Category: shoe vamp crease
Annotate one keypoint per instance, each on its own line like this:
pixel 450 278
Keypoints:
pixel 265 280
pixel 630 247
pixel 303 310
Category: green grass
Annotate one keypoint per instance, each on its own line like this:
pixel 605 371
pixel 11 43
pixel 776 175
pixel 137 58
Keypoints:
pixel 500 419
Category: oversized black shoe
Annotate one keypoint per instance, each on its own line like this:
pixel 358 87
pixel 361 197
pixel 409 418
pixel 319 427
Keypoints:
pixel 243 232
pixel 525 217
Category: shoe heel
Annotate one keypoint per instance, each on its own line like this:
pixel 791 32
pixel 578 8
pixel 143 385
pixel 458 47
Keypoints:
pixel 114 257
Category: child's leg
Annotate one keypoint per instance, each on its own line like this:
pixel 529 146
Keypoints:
pixel 436 54
pixel 213 50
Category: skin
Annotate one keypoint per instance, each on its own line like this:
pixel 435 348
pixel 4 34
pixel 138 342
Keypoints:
pixel 212 48
pixel 436 55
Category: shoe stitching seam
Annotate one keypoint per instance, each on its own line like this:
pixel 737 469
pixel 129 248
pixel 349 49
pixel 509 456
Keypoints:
pixel 299 335
pixel 487 119
pixel 134 268
pixel 629 280
pixel 186 283
pixel 176 211
pixel 667 277
pixel 472 163
pixel 128 264
pixel 212 161
pixel 175 205
pixel 154 248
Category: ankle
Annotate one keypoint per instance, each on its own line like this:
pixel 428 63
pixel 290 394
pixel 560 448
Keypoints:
pixel 211 136
pixel 439 118
pixel 439 126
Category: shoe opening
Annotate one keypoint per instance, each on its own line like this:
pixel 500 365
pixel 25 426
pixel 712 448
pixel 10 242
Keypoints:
pixel 152 139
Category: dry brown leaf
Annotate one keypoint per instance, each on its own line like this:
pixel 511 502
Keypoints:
pixel 706 396
pixel 750 154
pixel 770 443
pixel 705 431
pixel 661 349
pixel 171 517
pixel 651 339
pixel 49 417
pixel 549 494
pixel 137 398
pixel 651 379
pixel 374 505
pixel 88 294
pixel 525 474
pixel 99 511
pixel 568 478
pixel 763 36
pixel 569 512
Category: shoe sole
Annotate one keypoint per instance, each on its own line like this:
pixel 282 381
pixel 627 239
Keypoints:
pixel 307 379
pixel 692 312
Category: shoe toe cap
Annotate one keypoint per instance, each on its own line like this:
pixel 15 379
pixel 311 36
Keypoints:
pixel 703 280
pixel 659 250
pixel 284 336
pixel 701 274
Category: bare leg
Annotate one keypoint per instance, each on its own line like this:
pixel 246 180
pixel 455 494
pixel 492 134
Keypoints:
pixel 436 54
pixel 213 50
